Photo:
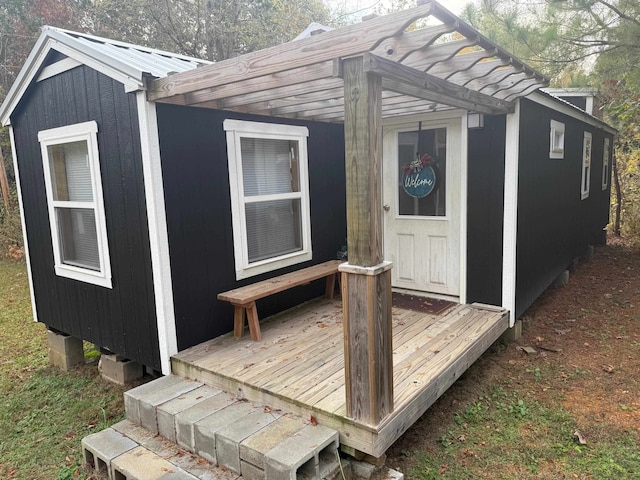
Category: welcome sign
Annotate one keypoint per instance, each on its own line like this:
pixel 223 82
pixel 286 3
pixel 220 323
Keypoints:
pixel 419 177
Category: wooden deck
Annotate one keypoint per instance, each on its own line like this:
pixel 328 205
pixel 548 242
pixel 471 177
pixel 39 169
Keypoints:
pixel 299 365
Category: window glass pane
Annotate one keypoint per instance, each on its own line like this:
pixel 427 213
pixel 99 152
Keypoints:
pixel 78 237
pixel 269 166
pixel 273 228
pixel 70 172
pixel 412 146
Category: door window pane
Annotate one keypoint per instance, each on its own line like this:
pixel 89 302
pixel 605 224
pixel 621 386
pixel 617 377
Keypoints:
pixel 412 148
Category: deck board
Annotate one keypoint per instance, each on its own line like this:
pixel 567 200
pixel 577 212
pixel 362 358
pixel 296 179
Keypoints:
pixel 299 365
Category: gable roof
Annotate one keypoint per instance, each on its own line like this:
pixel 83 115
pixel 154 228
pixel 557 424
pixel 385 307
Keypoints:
pixel 124 62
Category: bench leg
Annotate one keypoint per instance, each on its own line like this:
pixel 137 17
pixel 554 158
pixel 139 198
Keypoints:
pixel 238 320
pixel 254 322
pixel 331 286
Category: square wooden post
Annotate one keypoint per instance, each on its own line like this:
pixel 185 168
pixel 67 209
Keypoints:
pixel 366 279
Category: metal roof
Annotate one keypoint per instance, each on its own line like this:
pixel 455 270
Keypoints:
pixel 127 63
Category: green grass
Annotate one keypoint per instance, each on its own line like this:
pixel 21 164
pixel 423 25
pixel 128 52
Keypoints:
pixel 44 413
pixel 509 435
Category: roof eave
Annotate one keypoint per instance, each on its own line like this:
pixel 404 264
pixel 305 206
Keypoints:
pixel 54 39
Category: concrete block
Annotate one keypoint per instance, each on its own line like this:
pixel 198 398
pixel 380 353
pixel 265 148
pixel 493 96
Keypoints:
pixel 167 411
pixel 390 474
pixel 200 468
pixel 151 441
pixel 119 370
pixel 512 334
pixel 65 352
pixel 101 448
pixel 206 428
pixel 228 439
pixel 562 280
pixel 148 404
pixel 303 454
pixel 362 470
pixel 251 472
pixel 252 449
pixel 142 464
pixel 133 396
pixel 186 419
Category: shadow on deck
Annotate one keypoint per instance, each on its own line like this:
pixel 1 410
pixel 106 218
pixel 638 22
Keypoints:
pixel 299 364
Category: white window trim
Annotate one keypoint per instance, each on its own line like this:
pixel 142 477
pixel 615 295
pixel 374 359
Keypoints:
pixel 236 129
pixel 586 165
pixel 556 147
pixel 87 132
pixel 606 164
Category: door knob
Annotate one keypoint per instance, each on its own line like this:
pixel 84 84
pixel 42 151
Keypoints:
pixel 386 207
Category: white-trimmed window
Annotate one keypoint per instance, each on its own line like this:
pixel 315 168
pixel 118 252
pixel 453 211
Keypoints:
pixel 76 208
pixel 606 162
pixel 556 140
pixel 586 166
pixel 269 182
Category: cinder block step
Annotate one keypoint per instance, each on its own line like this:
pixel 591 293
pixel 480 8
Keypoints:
pixel 130 452
pixel 219 436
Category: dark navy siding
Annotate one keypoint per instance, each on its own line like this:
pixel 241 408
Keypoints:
pixel 193 149
pixel 554 225
pixel 121 319
pixel 580 102
pixel 485 211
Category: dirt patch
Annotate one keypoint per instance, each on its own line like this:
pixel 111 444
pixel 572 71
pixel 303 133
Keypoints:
pixel 586 336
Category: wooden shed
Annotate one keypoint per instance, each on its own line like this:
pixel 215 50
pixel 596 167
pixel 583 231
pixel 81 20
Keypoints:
pixel 150 182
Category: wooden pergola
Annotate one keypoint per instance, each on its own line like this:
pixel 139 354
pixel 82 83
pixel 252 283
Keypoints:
pixel 417 61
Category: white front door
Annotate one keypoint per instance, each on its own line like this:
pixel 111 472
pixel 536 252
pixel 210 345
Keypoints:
pixel 422 213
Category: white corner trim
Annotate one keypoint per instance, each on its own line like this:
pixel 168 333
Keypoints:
pixel 510 229
pixel 24 224
pixel 57 68
pixel 158 236
pixel 464 175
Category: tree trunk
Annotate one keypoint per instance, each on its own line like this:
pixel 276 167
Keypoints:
pixel 4 184
pixel 616 179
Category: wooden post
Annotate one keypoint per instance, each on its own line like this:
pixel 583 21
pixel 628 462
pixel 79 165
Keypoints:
pixel 366 279
pixel 4 184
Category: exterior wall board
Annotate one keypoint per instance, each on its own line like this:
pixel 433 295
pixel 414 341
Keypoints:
pixel 554 225
pixel 198 207
pixel 121 319
pixel 485 211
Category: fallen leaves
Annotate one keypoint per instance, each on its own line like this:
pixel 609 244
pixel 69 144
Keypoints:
pixel 313 420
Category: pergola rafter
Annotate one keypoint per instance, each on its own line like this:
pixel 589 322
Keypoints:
pixel 426 56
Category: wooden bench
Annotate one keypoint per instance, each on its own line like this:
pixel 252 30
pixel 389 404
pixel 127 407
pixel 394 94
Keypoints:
pixel 244 298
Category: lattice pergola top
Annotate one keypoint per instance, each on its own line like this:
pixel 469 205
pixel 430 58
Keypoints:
pixel 428 58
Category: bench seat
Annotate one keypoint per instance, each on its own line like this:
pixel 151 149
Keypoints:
pixel 244 298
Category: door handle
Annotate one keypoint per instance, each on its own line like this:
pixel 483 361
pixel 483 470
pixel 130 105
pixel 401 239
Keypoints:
pixel 386 207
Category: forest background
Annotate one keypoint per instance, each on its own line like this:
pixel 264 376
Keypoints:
pixel 576 43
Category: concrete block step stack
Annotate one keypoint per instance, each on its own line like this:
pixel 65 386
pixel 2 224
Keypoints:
pixel 181 429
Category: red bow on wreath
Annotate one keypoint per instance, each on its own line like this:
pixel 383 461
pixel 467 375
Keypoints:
pixel 417 165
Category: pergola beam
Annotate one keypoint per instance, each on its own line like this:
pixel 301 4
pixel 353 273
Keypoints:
pixel 409 81
pixel 342 42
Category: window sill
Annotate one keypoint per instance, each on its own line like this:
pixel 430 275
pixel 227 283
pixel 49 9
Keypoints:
pixel 273 264
pixel 82 275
